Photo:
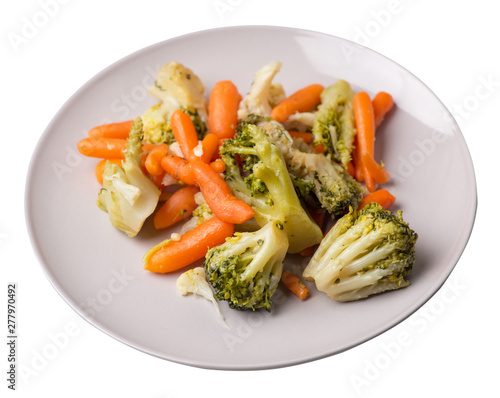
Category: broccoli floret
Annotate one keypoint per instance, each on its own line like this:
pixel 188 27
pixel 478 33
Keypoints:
pixel 246 269
pixel 156 125
pixel 314 172
pixel 202 213
pixel 334 126
pixel 302 186
pixel 334 188
pixel 366 252
pixel 127 194
pixel 269 188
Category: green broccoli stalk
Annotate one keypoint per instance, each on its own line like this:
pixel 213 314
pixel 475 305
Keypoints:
pixel 128 195
pixel 269 188
pixel 333 126
pixel 365 253
pixel 246 269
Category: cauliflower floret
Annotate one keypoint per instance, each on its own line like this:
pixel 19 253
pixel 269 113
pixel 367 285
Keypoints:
pixel 195 281
pixel 300 121
pixel 178 87
pixel 263 94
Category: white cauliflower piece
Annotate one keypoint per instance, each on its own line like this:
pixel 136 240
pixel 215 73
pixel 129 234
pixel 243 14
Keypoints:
pixel 300 121
pixel 178 87
pixel 276 94
pixel 128 195
pixel 195 281
pixel 263 94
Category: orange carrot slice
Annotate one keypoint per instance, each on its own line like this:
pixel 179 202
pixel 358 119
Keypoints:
pixel 295 285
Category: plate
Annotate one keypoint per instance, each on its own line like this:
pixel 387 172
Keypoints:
pixel 99 272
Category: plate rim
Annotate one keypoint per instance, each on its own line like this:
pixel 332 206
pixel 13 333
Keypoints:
pixel 38 250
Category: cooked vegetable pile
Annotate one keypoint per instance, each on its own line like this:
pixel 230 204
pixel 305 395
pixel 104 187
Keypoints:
pixel 253 179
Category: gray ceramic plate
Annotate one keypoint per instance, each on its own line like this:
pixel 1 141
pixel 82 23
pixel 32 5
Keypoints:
pixel 98 270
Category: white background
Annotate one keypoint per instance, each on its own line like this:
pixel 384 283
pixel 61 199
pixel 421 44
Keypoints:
pixel 448 348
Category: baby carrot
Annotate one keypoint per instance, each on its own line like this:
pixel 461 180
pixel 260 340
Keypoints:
pixel 218 165
pixel 383 197
pixel 112 130
pixel 382 103
pixel 378 173
pixel 192 246
pixel 223 109
pixel 301 101
pixel 350 169
pixel 218 195
pixel 307 137
pixel 295 285
pixel 104 148
pixel 356 161
pixel 308 251
pixel 158 180
pixel 210 144
pixel 365 124
pixel 99 168
pixel 178 168
pixel 184 132
pixel 147 147
pixel 178 207
pixel 319 149
pixel 153 159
